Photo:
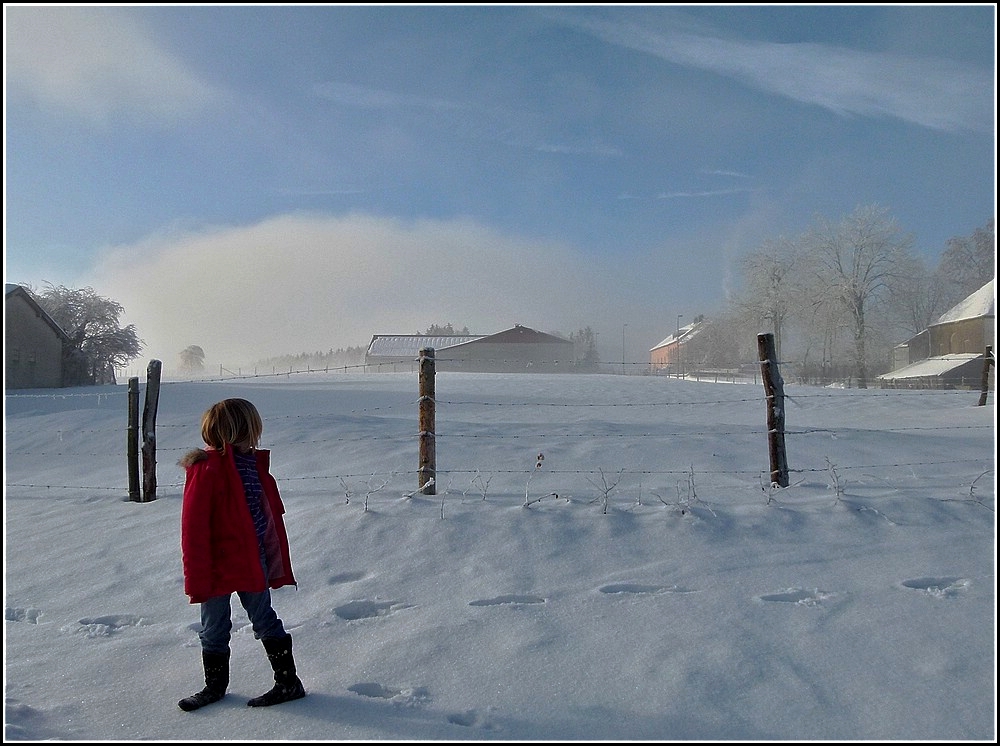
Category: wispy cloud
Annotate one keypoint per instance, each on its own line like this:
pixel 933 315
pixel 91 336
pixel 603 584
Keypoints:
pixel 598 149
pixel 931 92
pixel 97 63
pixel 366 97
pixel 723 172
pixel 514 128
pixel 702 193
pixel 319 192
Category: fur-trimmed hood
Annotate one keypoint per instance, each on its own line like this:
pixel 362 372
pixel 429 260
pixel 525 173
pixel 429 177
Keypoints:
pixel 197 455
pixel 192 457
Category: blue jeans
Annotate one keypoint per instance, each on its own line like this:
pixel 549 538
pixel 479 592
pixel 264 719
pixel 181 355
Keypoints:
pixel 217 623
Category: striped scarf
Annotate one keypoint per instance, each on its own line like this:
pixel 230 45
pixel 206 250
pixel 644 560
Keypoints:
pixel 246 465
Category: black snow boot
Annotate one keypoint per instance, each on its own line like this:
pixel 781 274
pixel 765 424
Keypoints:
pixel 286 684
pixel 216 680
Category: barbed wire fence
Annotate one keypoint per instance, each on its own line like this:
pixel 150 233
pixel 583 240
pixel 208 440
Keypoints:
pixel 400 437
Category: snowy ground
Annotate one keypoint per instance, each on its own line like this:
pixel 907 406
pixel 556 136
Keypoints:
pixel 655 587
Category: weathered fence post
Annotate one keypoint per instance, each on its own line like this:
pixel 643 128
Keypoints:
pixel 774 389
pixel 133 440
pixel 428 456
pixel 149 431
pixel 984 388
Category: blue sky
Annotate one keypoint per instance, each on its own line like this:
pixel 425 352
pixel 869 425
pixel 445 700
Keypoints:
pixel 263 180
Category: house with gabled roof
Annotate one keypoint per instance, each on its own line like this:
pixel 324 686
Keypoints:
pixel 668 356
pixel 951 351
pixel 34 344
pixel 519 349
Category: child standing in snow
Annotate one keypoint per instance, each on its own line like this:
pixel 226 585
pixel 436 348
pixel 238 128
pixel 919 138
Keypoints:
pixel 233 540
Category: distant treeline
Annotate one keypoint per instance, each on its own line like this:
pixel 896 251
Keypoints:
pixel 338 358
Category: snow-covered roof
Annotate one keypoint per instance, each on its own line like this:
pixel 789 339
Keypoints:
pixel 519 334
pixel 403 345
pixel 681 334
pixel 981 303
pixel 409 345
pixel 932 366
pixel 11 289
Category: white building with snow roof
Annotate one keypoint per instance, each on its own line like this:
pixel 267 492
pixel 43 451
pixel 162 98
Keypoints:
pixel 951 351
pixel 387 353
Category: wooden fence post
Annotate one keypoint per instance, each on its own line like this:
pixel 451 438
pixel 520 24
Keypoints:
pixel 428 455
pixel 774 389
pixel 984 388
pixel 149 431
pixel 133 440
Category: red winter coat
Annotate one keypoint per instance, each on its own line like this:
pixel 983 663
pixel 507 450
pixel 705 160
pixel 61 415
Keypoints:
pixel 218 540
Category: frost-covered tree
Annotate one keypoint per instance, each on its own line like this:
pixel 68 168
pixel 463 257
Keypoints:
pixel 919 297
pixel 192 359
pixel 585 349
pixel 857 264
pixel 98 343
pixel 968 263
pixel 773 286
pixel 435 330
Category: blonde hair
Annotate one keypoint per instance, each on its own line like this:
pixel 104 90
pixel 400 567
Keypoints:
pixel 233 422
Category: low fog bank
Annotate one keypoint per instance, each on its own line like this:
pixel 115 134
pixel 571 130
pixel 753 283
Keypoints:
pixel 304 283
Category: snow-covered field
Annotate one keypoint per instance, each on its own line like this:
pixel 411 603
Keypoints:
pixel 653 587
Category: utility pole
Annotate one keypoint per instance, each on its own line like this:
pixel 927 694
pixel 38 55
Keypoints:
pixel 623 348
pixel 677 341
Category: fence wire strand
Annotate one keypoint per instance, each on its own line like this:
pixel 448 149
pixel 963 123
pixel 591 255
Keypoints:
pixel 453 432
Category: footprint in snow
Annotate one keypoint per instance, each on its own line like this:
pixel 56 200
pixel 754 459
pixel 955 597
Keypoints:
pixel 24 722
pixel 346 577
pixel 104 626
pixel 472 719
pixel 404 697
pixel 939 587
pixel 639 588
pixel 509 600
pixel 799 596
pixel 365 609
pixel 21 614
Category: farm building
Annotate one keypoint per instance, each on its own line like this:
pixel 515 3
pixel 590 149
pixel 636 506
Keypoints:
pixel 387 353
pixel 34 344
pixel 515 350
pixel 950 352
